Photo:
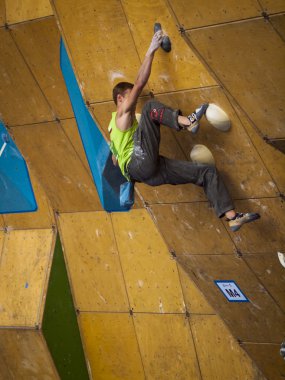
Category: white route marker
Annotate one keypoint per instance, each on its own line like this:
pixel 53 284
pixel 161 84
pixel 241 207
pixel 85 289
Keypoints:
pixel 3 148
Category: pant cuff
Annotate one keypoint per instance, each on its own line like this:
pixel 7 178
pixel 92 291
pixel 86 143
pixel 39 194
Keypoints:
pixel 221 214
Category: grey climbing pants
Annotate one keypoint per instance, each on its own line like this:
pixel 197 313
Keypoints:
pixel 147 166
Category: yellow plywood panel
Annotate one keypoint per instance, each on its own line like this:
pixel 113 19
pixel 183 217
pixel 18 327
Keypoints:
pixel 4 374
pixel 202 13
pixel 138 200
pixel 270 273
pixel 268 359
pixel 169 193
pixel 177 70
pixel 2 12
pixel 241 56
pixel 58 167
pixel 39 43
pixel 23 273
pixel 273 6
pixel 19 10
pixel 239 163
pixel 93 262
pixel 273 159
pixel 70 128
pixel 195 301
pixel 21 99
pixel 278 23
pixel 167 348
pixel 111 347
pixel 260 320
pixel 219 354
pixel 150 273
pixel 100 43
pixel 2 237
pixel 192 228
pixel 42 218
pixel 25 356
pixel 268 233
pixel 2 224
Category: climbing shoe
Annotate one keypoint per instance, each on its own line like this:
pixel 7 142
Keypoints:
pixel 240 219
pixel 195 117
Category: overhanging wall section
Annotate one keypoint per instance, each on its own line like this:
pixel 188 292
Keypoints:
pixel 247 59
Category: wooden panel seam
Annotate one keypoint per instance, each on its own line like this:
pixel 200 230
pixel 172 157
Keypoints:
pixel 240 21
pixel 226 91
pixel 49 353
pixel 46 280
pixel 239 110
pixel 273 26
pixel 3 245
pixel 121 266
pixel 64 39
pixel 28 21
pixel 61 238
pixel 262 283
pixel 33 76
pixel 5 14
pixel 74 148
pixel 195 347
pixel 137 340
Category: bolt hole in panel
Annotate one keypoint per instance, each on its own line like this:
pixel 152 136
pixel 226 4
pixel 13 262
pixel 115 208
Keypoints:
pixel 108 178
pixel 16 192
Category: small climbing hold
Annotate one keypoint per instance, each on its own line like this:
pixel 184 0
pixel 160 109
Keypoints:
pixel 202 155
pixel 166 43
pixel 218 117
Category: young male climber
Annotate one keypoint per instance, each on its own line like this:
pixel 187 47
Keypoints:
pixel 135 145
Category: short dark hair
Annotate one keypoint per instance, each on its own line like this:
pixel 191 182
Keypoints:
pixel 120 88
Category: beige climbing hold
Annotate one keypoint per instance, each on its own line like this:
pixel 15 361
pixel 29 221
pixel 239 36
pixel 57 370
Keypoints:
pixel 218 117
pixel 202 155
pixel 281 257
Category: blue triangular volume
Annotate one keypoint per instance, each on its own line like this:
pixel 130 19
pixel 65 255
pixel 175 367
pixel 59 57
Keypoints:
pixel 107 177
pixel 16 192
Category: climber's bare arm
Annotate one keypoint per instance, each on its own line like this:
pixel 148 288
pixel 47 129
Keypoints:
pixel 127 102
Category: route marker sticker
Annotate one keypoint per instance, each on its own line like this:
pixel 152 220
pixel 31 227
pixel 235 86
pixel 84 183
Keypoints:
pixel 231 291
pixel 3 148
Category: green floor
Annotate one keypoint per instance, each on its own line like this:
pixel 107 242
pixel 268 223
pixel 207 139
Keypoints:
pixel 60 326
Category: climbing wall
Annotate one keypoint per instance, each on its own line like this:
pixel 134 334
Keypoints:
pixel 184 78
pixel 33 93
pixel 143 282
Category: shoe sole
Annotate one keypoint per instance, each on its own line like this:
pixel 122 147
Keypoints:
pixel 193 130
pixel 236 228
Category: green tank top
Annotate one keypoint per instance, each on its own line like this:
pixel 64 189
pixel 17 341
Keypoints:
pixel 122 144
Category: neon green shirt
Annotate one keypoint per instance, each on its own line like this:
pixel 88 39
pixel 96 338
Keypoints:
pixel 122 144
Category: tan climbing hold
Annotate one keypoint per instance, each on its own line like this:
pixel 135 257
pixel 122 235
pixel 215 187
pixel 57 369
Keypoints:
pixel 202 155
pixel 218 117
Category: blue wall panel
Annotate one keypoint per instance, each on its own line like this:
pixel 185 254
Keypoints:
pixel 106 176
pixel 16 193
